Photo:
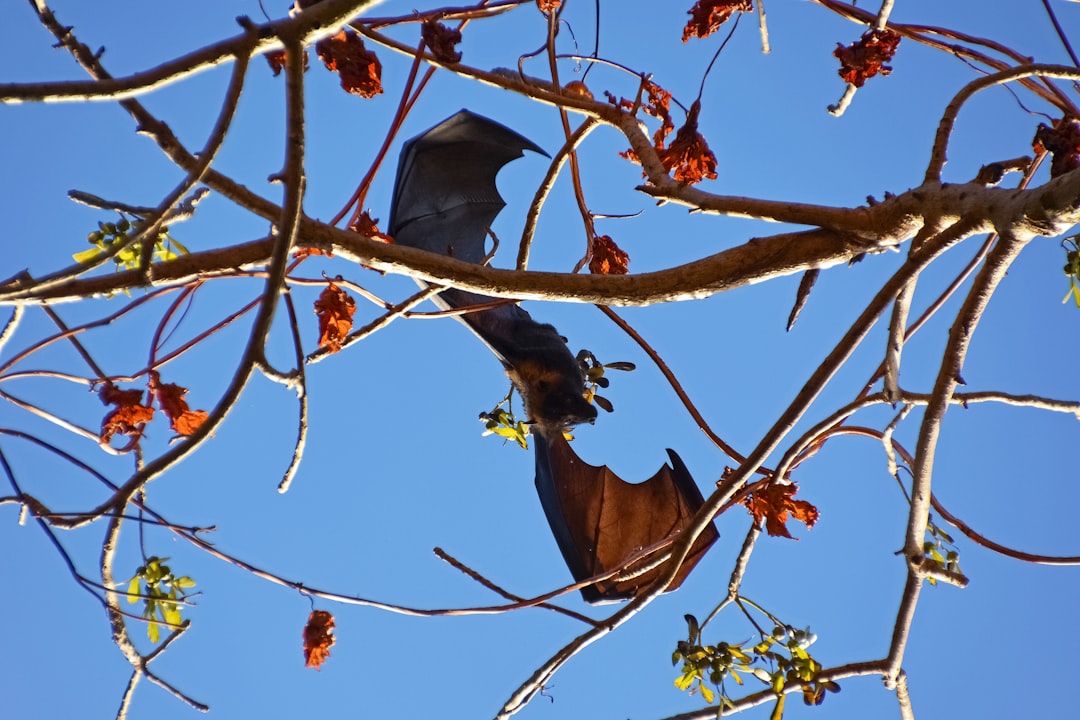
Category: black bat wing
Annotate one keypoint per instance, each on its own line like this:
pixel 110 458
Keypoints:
pixel 445 199
pixel 599 520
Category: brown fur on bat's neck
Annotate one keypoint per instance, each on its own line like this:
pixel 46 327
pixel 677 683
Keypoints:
pixel 552 394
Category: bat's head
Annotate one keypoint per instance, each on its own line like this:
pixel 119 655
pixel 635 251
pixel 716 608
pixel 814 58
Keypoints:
pixel 552 392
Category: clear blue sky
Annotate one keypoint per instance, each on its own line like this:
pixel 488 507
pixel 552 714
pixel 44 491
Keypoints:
pixel 395 463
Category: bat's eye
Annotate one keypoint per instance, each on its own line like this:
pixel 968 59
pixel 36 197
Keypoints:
pixel 543 386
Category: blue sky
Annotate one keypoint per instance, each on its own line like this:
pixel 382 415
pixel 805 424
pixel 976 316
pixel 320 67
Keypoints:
pixel 395 463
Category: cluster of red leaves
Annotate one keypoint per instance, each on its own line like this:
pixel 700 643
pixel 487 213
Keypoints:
pixel 774 505
pixel 608 258
pixel 867 57
pixel 129 415
pixel 548 6
pixel 277 61
pixel 1063 142
pixel 707 16
pixel 335 310
pixel 689 155
pixel 441 40
pixel 657 104
pixel 170 398
pixel 318 638
pixel 366 226
pixel 360 71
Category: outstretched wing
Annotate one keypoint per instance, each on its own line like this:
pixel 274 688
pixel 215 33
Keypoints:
pixel 600 521
pixel 445 197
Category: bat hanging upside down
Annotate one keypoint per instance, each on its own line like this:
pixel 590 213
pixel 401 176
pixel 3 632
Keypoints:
pixel 444 201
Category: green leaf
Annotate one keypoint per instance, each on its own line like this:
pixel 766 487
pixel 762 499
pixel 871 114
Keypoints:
pixel 604 403
pixel 133 590
pixel 172 615
pixel 180 249
pixel 778 710
pixel 153 632
pixel 184 582
pixel 87 255
pixel 707 693
pixel 684 681
pixel 692 626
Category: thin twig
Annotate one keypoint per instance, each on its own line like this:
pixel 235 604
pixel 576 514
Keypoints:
pixel 458 565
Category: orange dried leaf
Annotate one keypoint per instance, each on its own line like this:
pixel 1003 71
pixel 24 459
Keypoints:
pixel 707 16
pixel 689 156
pixel 360 71
pixel 867 57
pixel 335 310
pixel 657 104
pixel 548 6
pixel 608 258
pixel 621 103
pixel 576 87
pixel 774 505
pixel 366 226
pixel 170 397
pixel 441 40
pixel 276 59
pixel 1063 142
pixel 308 252
pixel 129 415
pixel 318 638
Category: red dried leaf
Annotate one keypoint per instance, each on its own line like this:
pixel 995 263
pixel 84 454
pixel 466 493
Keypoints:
pixel 775 506
pixel 335 310
pixel 367 227
pixel 359 69
pixel 128 417
pixel 707 16
pixel 276 59
pixel 170 397
pixel 318 638
pixel 621 103
pixel 608 258
pixel 867 57
pixel 657 104
pixel 441 40
pixel 308 252
pixel 1063 142
pixel 689 156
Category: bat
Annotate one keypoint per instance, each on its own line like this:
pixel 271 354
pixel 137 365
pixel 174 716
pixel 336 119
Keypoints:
pixel 445 200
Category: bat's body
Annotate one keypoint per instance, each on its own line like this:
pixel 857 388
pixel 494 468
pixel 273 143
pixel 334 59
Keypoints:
pixel 445 200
